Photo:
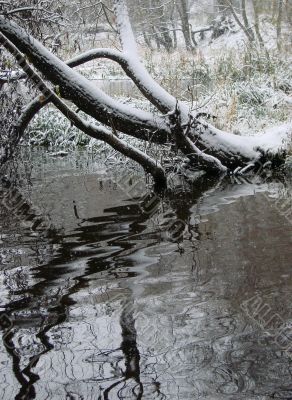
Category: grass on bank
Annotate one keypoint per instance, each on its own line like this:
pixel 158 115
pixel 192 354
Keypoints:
pixel 245 91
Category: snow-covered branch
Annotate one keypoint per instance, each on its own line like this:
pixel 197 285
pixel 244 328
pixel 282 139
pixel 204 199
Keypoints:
pixel 205 145
pixel 96 131
pixel 82 92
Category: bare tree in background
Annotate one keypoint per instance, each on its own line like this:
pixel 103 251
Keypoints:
pixel 279 22
pixel 184 11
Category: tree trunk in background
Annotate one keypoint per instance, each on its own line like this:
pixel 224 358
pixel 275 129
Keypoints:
pixel 182 7
pixel 245 20
pixel 279 23
pixel 173 24
pixel 162 28
pixel 257 22
pixel 146 39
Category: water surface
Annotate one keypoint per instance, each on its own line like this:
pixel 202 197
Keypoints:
pixel 133 296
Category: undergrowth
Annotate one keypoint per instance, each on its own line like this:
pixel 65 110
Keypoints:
pixel 244 90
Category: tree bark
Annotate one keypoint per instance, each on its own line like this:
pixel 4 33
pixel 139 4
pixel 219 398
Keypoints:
pixel 257 23
pixel 279 23
pixel 245 19
pixel 244 26
pixel 184 17
pixel 98 132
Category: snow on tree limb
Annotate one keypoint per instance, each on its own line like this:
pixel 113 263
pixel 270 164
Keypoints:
pixel 82 92
pixel 205 145
pixel 95 131
pixel 230 149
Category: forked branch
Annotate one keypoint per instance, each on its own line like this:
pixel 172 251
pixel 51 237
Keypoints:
pixel 95 131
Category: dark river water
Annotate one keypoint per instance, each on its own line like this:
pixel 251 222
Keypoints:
pixel 109 291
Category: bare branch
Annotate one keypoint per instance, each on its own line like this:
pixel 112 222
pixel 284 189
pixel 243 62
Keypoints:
pixel 21 9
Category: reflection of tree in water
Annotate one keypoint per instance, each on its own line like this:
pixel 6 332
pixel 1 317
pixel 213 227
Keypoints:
pixel 130 382
pixel 66 304
pixel 56 300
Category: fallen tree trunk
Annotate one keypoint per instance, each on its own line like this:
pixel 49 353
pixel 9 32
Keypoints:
pixel 95 131
pixel 210 148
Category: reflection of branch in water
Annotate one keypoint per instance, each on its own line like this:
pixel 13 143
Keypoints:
pixel 25 376
pixel 13 201
pixel 27 390
pixel 109 229
pixel 132 358
pixel 129 347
